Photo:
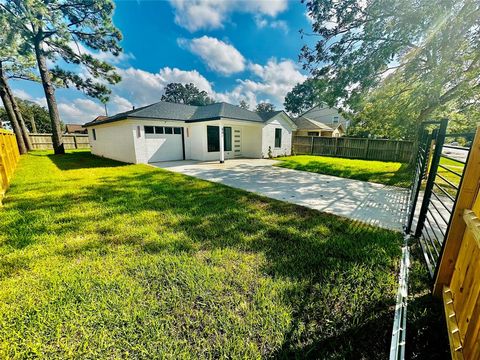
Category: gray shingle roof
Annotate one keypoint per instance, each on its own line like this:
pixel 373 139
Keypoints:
pixel 188 113
pixel 304 123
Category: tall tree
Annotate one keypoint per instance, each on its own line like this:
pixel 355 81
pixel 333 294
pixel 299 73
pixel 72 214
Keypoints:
pixel 304 96
pixel 187 94
pixel 7 103
pixel 431 46
pixel 54 30
pixel 12 64
pixel 265 107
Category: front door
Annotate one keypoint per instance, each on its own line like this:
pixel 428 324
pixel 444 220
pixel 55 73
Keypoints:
pixel 237 142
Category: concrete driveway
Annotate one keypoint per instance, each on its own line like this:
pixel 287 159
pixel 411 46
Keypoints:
pixel 376 204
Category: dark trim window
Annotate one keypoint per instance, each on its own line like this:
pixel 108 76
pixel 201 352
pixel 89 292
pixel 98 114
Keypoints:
pixel 168 130
pixel 94 134
pixel 213 138
pixel 149 130
pixel 313 133
pixel 177 130
pixel 158 130
pixel 335 119
pixel 227 138
pixel 278 138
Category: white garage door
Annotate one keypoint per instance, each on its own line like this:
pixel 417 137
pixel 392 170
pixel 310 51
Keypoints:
pixel 163 143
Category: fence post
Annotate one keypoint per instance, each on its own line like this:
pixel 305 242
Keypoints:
pixel 75 141
pixel 335 150
pixel 366 148
pixel 397 145
pixel 311 145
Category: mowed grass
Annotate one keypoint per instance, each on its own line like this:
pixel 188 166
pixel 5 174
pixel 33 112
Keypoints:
pixel 104 260
pixel 388 173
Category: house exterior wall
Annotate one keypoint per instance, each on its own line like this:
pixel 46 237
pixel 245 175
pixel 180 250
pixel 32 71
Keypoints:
pixel 325 115
pixel 126 140
pixel 268 137
pixel 250 139
pixel 304 132
pixel 113 141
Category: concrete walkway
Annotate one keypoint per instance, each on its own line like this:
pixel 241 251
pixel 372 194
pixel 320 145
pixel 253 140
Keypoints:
pixel 376 204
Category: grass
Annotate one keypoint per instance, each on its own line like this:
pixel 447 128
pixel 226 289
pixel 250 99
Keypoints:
pixel 104 260
pixel 388 173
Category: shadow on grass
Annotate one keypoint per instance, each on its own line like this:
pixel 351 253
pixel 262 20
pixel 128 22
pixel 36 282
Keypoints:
pixel 81 160
pixel 343 294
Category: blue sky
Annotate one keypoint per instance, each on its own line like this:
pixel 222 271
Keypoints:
pixel 234 49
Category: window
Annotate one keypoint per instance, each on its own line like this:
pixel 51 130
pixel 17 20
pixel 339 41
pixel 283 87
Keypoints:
pixel 158 130
pixel 278 138
pixel 94 134
pixel 168 130
pixel 313 133
pixel 213 138
pixel 335 119
pixel 177 130
pixel 227 138
pixel 148 129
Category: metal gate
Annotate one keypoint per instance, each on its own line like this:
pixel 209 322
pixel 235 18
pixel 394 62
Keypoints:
pixel 436 180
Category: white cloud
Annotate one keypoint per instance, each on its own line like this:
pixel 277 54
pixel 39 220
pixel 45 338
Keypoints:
pixel 273 81
pixel 218 55
pixel 22 94
pixel 262 22
pixel 212 14
pixel 143 87
pixel 80 111
pixel 108 57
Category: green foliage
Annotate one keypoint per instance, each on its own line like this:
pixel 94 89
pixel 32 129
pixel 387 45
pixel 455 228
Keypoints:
pixel 304 96
pixel 397 62
pixel 187 94
pixel 265 107
pixel 243 104
pixel 31 110
pixel 58 28
pixel 101 259
pixel 388 173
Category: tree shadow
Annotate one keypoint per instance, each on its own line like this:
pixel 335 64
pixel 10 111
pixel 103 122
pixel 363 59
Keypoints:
pixel 81 160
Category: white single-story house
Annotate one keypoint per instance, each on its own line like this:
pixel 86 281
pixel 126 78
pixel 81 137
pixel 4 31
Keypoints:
pixel 310 127
pixel 168 131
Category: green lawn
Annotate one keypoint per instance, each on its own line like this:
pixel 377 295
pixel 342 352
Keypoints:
pixel 104 260
pixel 388 173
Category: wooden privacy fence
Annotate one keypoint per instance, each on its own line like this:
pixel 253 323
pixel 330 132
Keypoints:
pixel 355 148
pixel 9 156
pixel 71 141
pixel 457 278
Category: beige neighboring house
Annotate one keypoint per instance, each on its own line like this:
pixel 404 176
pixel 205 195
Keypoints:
pixel 310 127
pixel 329 116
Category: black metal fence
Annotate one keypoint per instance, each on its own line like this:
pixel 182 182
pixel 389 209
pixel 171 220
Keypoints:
pixel 355 148
pixel 438 174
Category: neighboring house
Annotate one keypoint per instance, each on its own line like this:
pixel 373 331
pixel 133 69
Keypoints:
pixel 310 127
pixel 168 131
pixel 74 129
pixel 329 116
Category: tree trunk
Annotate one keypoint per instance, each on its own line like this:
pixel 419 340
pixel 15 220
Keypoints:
pixel 34 126
pixel 11 116
pixel 57 138
pixel 18 114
